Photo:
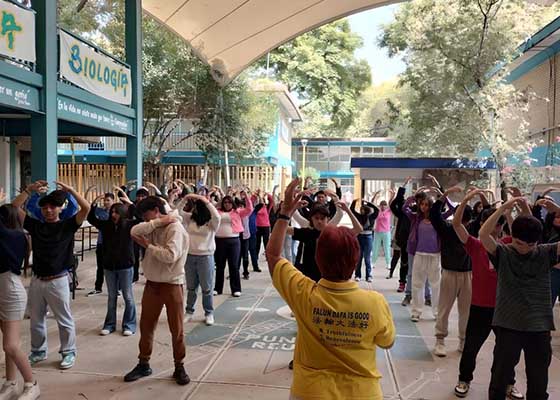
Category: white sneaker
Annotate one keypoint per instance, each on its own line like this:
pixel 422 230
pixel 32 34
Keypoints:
pixel 415 317
pixel 105 332
pixel 462 389
pixel 370 279
pixel 439 349
pixel 513 393
pixel 236 294
pixel 215 293
pixel 209 320
pixel 30 392
pixel 127 333
pixel 8 390
pixel 358 279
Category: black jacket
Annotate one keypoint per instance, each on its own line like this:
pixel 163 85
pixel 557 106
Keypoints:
pixel 453 254
pixel 367 221
pixel 117 246
pixel 403 224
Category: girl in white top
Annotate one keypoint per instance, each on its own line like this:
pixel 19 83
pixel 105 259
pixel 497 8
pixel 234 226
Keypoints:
pixel 201 225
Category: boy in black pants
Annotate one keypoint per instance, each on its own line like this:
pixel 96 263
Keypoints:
pixel 523 314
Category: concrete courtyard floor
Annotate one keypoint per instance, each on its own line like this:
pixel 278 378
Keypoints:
pixel 246 354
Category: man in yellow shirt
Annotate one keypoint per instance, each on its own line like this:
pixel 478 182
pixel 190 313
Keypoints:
pixel 339 324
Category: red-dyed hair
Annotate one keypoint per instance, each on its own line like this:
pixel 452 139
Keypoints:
pixel 337 253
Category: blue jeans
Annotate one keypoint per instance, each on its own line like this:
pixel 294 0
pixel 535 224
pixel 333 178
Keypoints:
pixel 121 278
pixel 408 288
pixel 555 284
pixel 199 270
pixel 365 242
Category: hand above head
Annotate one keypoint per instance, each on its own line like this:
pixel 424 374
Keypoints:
pixel 292 198
pixel 37 186
pixel 63 186
pixel 549 205
pixel 408 180
pixel 454 189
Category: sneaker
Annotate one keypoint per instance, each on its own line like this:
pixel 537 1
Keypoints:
pixel 389 276
pixel 105 332
pixel 181 376
pixel 94 292
pixel 439 349
pixel 246 277
pixel 415 317
pixel 257 269
pixel 216 293
pixel 370 279
pixel 209 320
pixel 8 390
pixel 30 391
pixel 401 288
pixel 236 294
pixel 514 394
pixel 291 365
pixel 127 332
pixel 68 361
pixel 140 371
pixel 406 301
pixel 36 357
pixel 461 345
pixel 462 389
pixel 388 267
pixel 119 293
pixel 189 316
pixel 428 302
pixel 358 279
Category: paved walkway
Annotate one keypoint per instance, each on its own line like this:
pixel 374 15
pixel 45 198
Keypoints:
pixel 246 354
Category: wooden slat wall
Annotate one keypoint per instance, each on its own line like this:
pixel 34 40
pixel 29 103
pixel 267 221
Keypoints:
pixel 106 176
pixel 82 176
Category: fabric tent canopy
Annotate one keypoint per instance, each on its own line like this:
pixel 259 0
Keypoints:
pixel 229 35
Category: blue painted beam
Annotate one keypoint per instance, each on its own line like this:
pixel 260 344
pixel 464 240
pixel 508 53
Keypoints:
pixel 533 62
pixel 21 75
pixel 87 97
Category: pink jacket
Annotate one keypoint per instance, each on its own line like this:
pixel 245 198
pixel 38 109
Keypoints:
pixel 263 215
pixel 236 215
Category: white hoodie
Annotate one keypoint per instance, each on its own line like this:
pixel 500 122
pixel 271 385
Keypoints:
pixel 164 259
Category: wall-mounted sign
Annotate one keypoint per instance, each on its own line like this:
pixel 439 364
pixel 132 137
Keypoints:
pixel 17 32
pixel 87 114
pixel 93 71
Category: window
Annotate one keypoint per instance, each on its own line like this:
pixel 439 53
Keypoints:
pixel 378 150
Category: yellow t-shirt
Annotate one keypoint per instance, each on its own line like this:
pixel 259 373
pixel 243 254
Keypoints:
pixel 339 327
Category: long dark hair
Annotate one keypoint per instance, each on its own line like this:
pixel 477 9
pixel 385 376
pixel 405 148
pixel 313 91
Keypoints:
pixel 200 213
pixel 228 198
pixel 9 217
pixel 120 209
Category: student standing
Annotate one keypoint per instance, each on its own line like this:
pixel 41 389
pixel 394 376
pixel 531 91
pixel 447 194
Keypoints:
pixel 166 245
pixel 102 214
pixel 523 315
pixel 328 366
pixel 367 216
pixel 53 254
pixel 201 224
pixel 382 234
pixel 483 300
pixel 13 251
pixel 228 246
pixel 456 275
pixel 118 265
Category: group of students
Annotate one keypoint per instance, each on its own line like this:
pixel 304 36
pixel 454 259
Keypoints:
pixel 502 283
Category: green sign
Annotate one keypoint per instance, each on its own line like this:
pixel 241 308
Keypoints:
pixel 18 95
pixel 87 114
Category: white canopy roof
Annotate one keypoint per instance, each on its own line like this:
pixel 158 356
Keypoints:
pixel 229 35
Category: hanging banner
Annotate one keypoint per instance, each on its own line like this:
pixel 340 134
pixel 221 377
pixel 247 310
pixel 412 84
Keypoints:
pixel 17 32
pixel 93 71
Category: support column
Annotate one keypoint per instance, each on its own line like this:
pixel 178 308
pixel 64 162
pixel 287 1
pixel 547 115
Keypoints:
pixel 133 45
pixel 44 128
pixel 13 160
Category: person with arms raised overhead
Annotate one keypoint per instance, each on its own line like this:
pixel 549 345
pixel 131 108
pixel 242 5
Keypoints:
pixel 339 324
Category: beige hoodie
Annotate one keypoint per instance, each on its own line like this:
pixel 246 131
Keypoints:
pixel 164 259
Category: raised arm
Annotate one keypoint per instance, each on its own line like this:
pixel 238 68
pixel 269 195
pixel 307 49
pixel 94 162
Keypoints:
pixel 356 225
pixel 458 226
pixel 292 201
pixel 485 233
pixel 91 217
pixel 82 202
pixel 248 209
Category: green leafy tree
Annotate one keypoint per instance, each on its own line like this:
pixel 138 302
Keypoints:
pixel 454 51
pixel 320 66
